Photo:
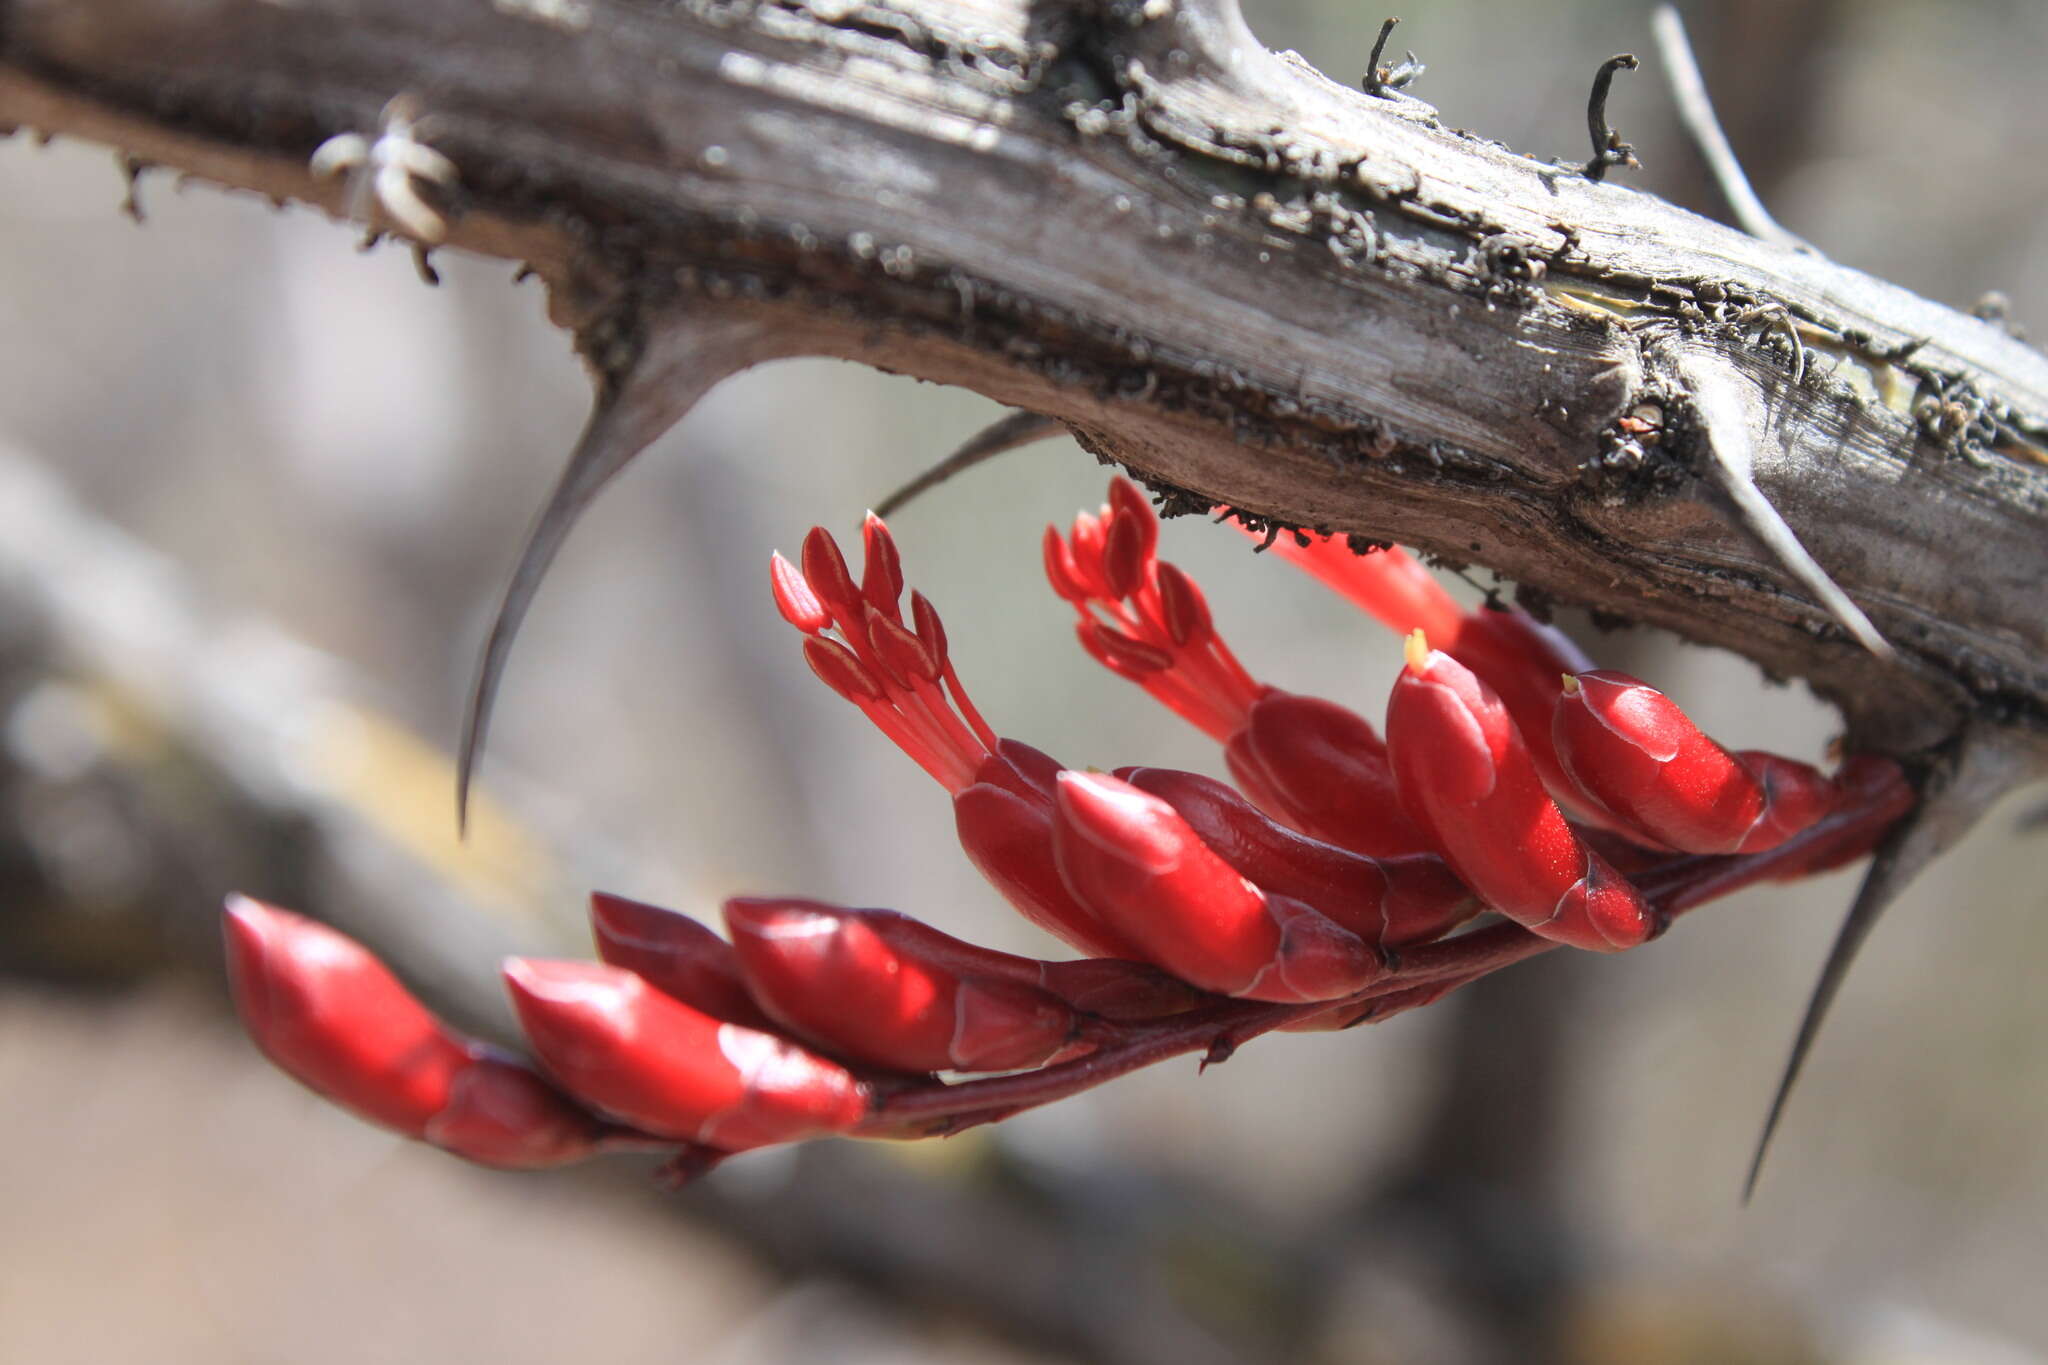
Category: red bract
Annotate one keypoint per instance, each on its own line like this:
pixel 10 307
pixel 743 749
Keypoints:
pixel 1327 894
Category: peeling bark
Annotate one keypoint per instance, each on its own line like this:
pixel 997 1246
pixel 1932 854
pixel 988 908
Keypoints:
pixel 1246 282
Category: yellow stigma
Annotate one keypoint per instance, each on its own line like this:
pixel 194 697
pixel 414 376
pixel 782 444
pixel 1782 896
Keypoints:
pixel 1571 684
pixel 1418 650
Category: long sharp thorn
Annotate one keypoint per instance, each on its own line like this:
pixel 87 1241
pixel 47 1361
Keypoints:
pixel 1990 765
pixel 1732 463
pixel 1696 112
pixel 1881 885
pixel 681 360
pixel 1019 428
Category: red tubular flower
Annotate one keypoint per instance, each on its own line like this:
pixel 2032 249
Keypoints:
pixel 1468 779
pixel 1144 871
pixel 331 1015
pixel 676 955
pixel 1392 902
pixel 828 976
pixel 904 681
pixel 653 1062
pixel 1632 748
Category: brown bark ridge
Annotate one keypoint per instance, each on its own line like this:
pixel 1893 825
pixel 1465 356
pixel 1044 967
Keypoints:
pixel 1249 284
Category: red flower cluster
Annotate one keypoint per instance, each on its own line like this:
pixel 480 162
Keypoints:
pixel 1580 805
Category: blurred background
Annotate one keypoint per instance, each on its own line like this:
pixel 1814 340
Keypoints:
pixel 258 492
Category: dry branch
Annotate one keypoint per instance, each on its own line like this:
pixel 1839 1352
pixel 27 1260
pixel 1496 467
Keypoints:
pixel 1216 265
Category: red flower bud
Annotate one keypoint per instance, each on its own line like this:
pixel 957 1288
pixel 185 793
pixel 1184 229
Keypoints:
pixel 1631 747
pixel 676 955
pixel 1010 840
pixel 1468 780
pixel 828 975
pixel 624 1047
pixel 333 1017
pixel 1389 902
pixel 1144 872
pixel 1322 769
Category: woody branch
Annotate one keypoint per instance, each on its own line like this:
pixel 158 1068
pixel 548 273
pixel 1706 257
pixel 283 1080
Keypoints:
pixel 1213 263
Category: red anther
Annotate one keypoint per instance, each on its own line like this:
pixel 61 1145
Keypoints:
pixel 619 1044
pixel 830 977
pixel 1138 865
pixel 1060 569
pixel 1468 780
pixel 334 1018
pixel 676 955
pixel 1131 656
pixel 1184 609
pixel 825 569
pixel 900 651
pixel 881 578
pixel 1009 839
pixel 930 629
pixel 1390 902
pixel 1086 540
pixel 1322 769
pixel 793 596
pixel 1123 555
pixel 839 670
pixel 1129 503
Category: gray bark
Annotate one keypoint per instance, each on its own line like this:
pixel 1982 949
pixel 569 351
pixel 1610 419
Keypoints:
pixel 1248 283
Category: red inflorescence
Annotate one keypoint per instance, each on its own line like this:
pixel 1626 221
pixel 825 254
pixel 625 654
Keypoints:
pixel 1321 893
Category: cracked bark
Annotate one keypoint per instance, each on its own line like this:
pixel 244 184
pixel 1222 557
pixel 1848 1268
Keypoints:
pixel 1244 281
